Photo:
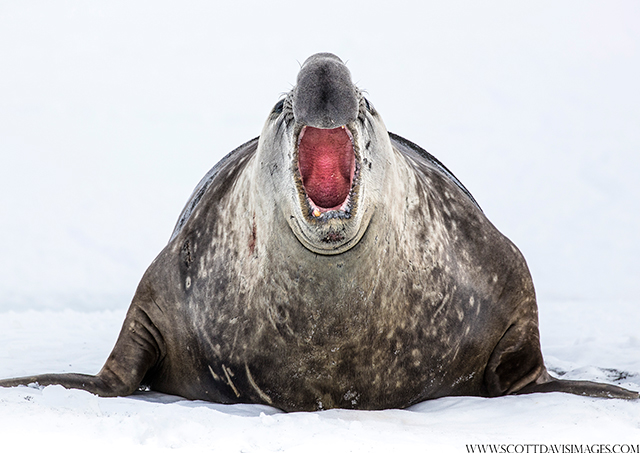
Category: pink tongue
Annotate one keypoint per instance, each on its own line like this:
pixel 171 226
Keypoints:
pixel 327 163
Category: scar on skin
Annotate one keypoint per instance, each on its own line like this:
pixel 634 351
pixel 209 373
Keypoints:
pixel 262 395
pixel 215 376
pixel 227 373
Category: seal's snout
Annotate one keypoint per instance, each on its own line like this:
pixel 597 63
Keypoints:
pixel 324 96
pixel 325 101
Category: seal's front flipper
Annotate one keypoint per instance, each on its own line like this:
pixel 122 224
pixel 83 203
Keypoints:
pixel 546 383
pixel 516 360
pixel 516 367
pixel 94 384
pixel 138 349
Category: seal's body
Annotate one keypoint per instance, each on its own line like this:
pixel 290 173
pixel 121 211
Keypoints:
pixel 327 264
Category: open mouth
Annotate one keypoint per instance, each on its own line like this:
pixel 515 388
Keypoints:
pixel 327 164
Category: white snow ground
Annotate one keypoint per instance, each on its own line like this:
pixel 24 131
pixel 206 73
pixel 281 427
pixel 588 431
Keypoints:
pixel 111 112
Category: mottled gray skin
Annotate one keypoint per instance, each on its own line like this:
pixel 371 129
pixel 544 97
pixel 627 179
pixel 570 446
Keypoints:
pixel 409 294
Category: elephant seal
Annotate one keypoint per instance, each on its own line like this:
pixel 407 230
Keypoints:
pixel 330 264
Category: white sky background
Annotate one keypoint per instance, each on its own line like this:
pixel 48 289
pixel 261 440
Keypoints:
pixel 111 112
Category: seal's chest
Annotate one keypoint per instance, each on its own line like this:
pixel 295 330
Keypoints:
pixel 362 367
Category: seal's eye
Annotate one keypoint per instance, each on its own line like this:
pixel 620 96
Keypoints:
pixel 369 106
pixel 277 109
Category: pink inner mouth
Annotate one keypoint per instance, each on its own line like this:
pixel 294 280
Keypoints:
pixel 327 164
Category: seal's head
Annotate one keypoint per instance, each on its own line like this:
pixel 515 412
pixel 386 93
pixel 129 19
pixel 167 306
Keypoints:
pixel 323 155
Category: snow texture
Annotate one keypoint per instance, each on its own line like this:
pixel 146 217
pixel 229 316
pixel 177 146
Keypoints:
pixel 110 113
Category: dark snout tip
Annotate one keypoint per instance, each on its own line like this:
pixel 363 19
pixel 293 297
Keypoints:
pixel 322 56
pixel 324 96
